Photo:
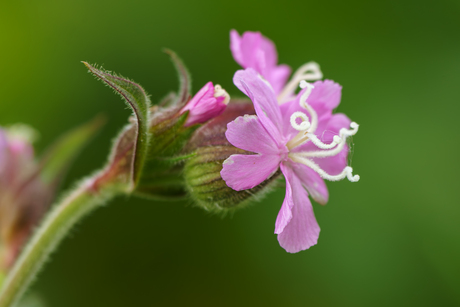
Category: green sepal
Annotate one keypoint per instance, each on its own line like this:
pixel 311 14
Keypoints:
pixel 185 81
pixel 137 99
pixel 162 175
pixel 56 160
pixel 207 188
pixel 202 177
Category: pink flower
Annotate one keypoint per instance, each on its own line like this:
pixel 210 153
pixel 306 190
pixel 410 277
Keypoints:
pixel 281 141
pixel 253 50
pixel 208 103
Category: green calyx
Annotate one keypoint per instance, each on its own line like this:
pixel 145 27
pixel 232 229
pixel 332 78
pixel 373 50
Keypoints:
pixel 202 171
pixel 147 155
pixel 206 186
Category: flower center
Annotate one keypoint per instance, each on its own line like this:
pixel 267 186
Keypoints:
pixel 306 133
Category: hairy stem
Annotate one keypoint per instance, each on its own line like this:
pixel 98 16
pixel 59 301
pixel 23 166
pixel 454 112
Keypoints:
pixel 53 229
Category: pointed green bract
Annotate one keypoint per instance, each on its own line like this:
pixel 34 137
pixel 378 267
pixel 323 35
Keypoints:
pixel 185 80
pixel 60 155
pixel 137 99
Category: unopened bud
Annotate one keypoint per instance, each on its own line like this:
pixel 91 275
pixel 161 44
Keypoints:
pixel 208 103
pixel 211 148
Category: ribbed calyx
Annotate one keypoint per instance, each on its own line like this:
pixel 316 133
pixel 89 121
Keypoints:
pixel 202 171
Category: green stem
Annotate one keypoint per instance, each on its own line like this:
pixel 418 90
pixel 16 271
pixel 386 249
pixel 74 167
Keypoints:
pixel 47 237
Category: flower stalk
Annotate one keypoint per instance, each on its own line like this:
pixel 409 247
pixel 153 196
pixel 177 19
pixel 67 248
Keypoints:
pixel 45 240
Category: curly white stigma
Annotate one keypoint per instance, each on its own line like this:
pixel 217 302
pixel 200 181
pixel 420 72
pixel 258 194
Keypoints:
pixel 306 133
pixel 304 125
pixel 309 72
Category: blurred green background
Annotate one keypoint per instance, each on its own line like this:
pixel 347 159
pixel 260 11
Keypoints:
pixel 391 239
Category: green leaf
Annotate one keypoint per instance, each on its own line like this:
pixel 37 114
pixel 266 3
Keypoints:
pixel 59 156
pixel 137 99
pixel 185 80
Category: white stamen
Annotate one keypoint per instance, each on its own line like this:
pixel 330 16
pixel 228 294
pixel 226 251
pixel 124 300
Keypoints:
pixel 343 135
pixel 219 92
pixel 302 137
pixel 304 125
pixel 315 140
pixel 347 171
pixel 303 103
pixel 309 72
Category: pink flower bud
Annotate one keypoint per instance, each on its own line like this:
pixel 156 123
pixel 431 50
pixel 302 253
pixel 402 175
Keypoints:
pixel 208 103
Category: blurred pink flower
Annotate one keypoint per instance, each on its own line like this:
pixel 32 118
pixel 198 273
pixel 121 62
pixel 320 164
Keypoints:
pixel 208 103
pixel 24 198
pixel 281 141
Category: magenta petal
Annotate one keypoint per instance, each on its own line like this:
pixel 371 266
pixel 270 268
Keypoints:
pixel 302 231
pixel 253 50
pixel 285 213
pixel 235 47
pixel 313 182
pixel 325 97
pixel 246 132
pixel 264 99
pixel 267 48
pixel 252 53
pixel 204 106
pixel 278 77
pixel 242 172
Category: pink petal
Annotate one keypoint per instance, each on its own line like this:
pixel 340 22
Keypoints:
pixel 264 99
pixel 325 97
pixel 278 77
pixel 253 55
pixel 302 231
pixel 285 213
pixel 248 133
pixel 204 106
pixel 253 50
pixel 242 172
pixel 267 47
pixel 314 184
pixel 235 47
